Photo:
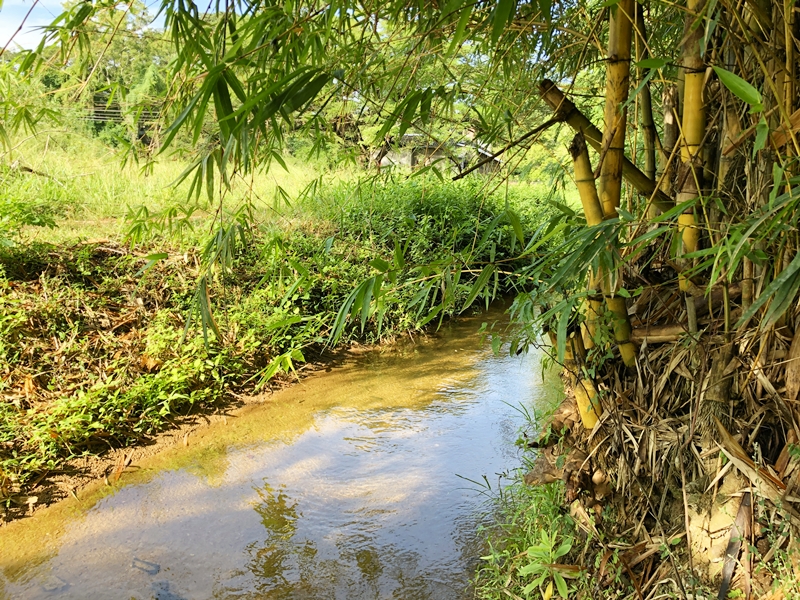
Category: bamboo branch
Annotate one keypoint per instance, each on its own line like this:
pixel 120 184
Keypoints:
pixel 570 114
pixel 508 146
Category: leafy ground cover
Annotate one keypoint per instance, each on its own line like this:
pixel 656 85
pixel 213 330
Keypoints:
pixel 103 344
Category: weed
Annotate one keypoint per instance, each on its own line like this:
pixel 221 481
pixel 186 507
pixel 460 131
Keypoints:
pixel 531 535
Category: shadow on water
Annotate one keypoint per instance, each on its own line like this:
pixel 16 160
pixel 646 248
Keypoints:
pixel 351 484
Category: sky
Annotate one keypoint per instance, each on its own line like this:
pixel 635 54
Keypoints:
pixel 12 15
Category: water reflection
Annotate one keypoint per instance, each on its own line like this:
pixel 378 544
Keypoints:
pixel 343 487
pixel 270 559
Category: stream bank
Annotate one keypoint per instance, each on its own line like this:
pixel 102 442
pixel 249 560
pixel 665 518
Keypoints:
pixel 103 346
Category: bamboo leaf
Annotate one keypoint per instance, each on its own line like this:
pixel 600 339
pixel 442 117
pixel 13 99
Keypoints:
pixel 675 211
pixel 461 27
pixel 645 80
pixel 379 264
pixel 503 13
pixel 436 311
pixel 412 102
pixel 513 218
pixel 740 88
pixel 152 260
pixel 479 285
pixel 646 237
pixel 425 106
pixel 785 283
pixel 652 63
pixel 561 331
pixel 172 130
pixel 490 229
pixel 546 8
pixel 224 107
pixel 308 92
pixel 338 325
pixel 366 302
pixel 399 255
pixel 762 131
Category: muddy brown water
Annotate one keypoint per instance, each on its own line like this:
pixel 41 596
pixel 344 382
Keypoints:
pixel 353 484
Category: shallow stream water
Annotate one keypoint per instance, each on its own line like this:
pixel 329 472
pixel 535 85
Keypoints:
pixel 363 482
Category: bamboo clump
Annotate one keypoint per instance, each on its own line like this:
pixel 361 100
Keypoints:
pixel 695 369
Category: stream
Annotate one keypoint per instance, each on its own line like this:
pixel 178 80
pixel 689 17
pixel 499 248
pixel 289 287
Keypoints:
pixel 365 481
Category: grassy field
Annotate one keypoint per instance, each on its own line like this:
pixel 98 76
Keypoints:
pixel 88 189
pixel 73 181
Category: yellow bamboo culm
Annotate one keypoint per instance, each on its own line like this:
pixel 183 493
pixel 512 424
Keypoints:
pixel 584 180
pixel 693 128
pixel 622 329
pixel 566 109
pixel 588 405
pixel 620 32
pixel 593 310
pixel 593 210
pixel 594 215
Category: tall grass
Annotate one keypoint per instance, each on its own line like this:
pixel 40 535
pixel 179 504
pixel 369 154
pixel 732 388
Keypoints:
pixel 74 181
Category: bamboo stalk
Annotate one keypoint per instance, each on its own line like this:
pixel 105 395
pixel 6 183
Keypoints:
pixel 620 34
pixel 789 73
pixel 646 107
pixel 586 400
pixel 594 216
pixel 584 179
pixel 747 283
pixel 693 128
pixel 557 101
pixel 666 170
pixel 620 31
pixel 593 210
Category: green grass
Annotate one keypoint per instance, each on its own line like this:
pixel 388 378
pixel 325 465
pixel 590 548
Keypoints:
pixel 531 530
pixel 531 533
pixel 94 350
pixel 80 184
